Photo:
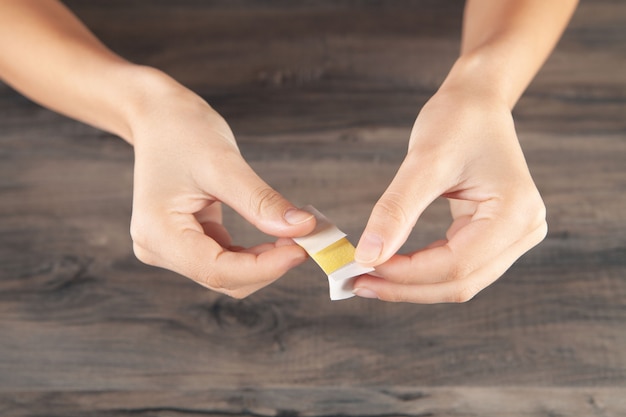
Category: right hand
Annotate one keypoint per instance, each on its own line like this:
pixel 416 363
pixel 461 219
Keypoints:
pixel 186 164
pixel 463 147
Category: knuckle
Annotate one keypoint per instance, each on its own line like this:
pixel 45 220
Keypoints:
pixel 542 231
pixel 463 294
pixel 218 281
pixel 401 297
pixel 455 272
pixel 143 248
pixel 238 294
pixel 536 212
pixel 144 255
pixel 537 235
pixel 541 212
pixel 213 280
pixel 528 211
pixel 262 198
pixel 394 296
pixel 138 234
pixel 145 231
pixel 542 223
pixel 391 208
pixel 147 242
pixel 457 268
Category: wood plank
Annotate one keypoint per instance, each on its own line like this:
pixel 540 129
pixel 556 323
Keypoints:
pixel 324 402
pixel 333 87
pixel 78 311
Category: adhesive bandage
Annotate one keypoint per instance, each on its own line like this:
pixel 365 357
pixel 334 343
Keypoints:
pixel 328 246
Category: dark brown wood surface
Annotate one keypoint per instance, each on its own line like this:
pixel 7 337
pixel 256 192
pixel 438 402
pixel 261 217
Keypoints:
pixel 321 96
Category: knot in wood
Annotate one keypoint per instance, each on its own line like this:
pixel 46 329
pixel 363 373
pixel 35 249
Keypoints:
pixel 244 316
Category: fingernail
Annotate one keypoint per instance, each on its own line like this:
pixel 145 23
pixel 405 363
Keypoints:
pixel 369 248
pixel 365 293
pixel 294 216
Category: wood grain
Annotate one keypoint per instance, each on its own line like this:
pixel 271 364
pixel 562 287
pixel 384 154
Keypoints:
pixel 327 402
pixel 321 96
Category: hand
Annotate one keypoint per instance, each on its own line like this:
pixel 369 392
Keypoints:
pixel 464 147
pixel 186 164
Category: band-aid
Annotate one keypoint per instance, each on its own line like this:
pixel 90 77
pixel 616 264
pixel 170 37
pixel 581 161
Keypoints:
pixel 330 249
pixel 334 256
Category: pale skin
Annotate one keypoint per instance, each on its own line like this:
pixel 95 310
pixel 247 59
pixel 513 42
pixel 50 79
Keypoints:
pixel 463 146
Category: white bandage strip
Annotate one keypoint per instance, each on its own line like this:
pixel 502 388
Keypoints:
pixel 324 235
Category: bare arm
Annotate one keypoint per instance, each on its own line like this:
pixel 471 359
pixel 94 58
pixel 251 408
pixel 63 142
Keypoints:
pixel 51 57
pixel 505 43
pixel 186 158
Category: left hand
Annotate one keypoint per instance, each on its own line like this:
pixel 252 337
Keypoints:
pixel 463 147
pixel 187 164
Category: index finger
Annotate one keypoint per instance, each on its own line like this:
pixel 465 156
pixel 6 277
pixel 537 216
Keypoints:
pixel 474 243
pixel 477 254
pixel 178 243
pixel 460 290
pixel 236 274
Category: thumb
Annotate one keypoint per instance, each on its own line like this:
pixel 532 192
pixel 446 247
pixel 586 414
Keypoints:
pixel 395 214
pixel 263 206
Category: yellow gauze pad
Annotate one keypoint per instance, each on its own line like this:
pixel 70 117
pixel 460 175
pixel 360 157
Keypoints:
pixel 334 256
pixel 328 246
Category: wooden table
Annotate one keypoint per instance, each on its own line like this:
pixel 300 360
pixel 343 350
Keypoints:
pixel 321 96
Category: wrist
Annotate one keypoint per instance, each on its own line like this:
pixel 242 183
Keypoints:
pixel 146 87
pixel 478 76
pixel 149 92
pixel 158 107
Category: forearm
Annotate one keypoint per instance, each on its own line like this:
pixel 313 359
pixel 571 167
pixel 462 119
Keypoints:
pixel 47 54
pixel 505 43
